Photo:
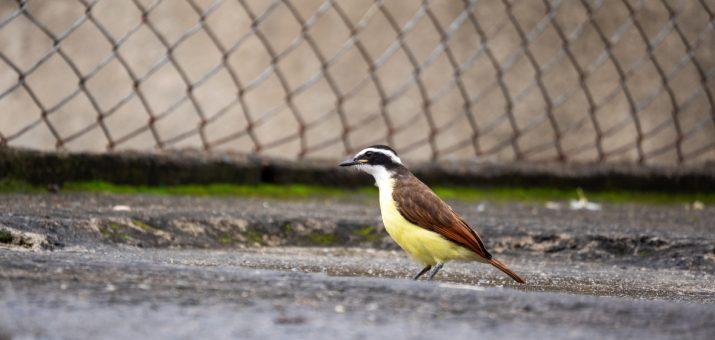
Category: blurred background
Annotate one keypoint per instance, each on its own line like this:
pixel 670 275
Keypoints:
pixel 501 81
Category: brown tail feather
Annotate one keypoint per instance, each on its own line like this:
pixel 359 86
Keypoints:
pixel 507 271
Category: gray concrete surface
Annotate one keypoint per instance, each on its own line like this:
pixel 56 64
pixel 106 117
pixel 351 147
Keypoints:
pixel 75 268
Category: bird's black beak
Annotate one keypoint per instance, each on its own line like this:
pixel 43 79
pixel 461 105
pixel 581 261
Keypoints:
pixel 348 162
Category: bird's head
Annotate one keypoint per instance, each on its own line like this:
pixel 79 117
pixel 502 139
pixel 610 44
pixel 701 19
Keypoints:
pixel 375 160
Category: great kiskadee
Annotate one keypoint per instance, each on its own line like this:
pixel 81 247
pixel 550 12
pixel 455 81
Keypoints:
pixel 417 219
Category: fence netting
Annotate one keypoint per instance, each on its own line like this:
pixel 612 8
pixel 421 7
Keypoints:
pixel 501 80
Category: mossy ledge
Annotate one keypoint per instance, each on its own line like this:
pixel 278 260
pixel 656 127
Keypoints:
pixel 362 194
pixel 181 167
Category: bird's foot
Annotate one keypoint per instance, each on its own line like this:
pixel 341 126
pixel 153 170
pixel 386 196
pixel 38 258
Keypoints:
pixel 435 270
pixel 424 270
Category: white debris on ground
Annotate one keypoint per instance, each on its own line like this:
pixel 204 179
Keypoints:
pixel 697 205
pixel 583 203
pixel 551 205
pixel 121 208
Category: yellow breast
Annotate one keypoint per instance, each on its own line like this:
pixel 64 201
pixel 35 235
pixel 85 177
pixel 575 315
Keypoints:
pixel 424 246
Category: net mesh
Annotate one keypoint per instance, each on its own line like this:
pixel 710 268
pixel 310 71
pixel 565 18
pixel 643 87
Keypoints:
pixel 499 80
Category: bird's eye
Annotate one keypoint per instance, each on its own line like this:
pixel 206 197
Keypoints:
pixel 368 154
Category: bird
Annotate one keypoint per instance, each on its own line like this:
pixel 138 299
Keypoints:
pixel 420 222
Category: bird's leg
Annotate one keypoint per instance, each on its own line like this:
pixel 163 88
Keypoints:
pixel 435 270
pixel 424 270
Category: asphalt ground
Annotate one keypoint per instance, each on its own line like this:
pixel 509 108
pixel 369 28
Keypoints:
pixel 83 266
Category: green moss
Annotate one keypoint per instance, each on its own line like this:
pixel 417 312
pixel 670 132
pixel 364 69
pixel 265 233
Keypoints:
pixel 225 239
pixel 253 236
pixel 5 236
pixel 644 252
pixel 144 226
pixel 368 233
pixel 287 227
pixel 367 194
pixel 365 231
pixel 322 239
pixel 114 230
pixel 503 194
pixel 8 185
pixel 217 189
pixel 105 232
pixel 115 226
pixel 299 191
pixel 507 194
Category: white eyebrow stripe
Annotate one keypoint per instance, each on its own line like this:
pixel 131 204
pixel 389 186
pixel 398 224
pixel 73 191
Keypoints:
pixel 387 153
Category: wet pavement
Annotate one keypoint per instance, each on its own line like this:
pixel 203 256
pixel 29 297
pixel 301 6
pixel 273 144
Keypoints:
pixel 75 267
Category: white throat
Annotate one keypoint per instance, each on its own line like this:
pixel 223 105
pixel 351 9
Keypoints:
pixel 383 177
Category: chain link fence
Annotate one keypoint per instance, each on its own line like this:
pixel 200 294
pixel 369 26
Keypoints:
pixel 498 80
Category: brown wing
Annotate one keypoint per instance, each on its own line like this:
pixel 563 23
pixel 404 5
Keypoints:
pixel 419 205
